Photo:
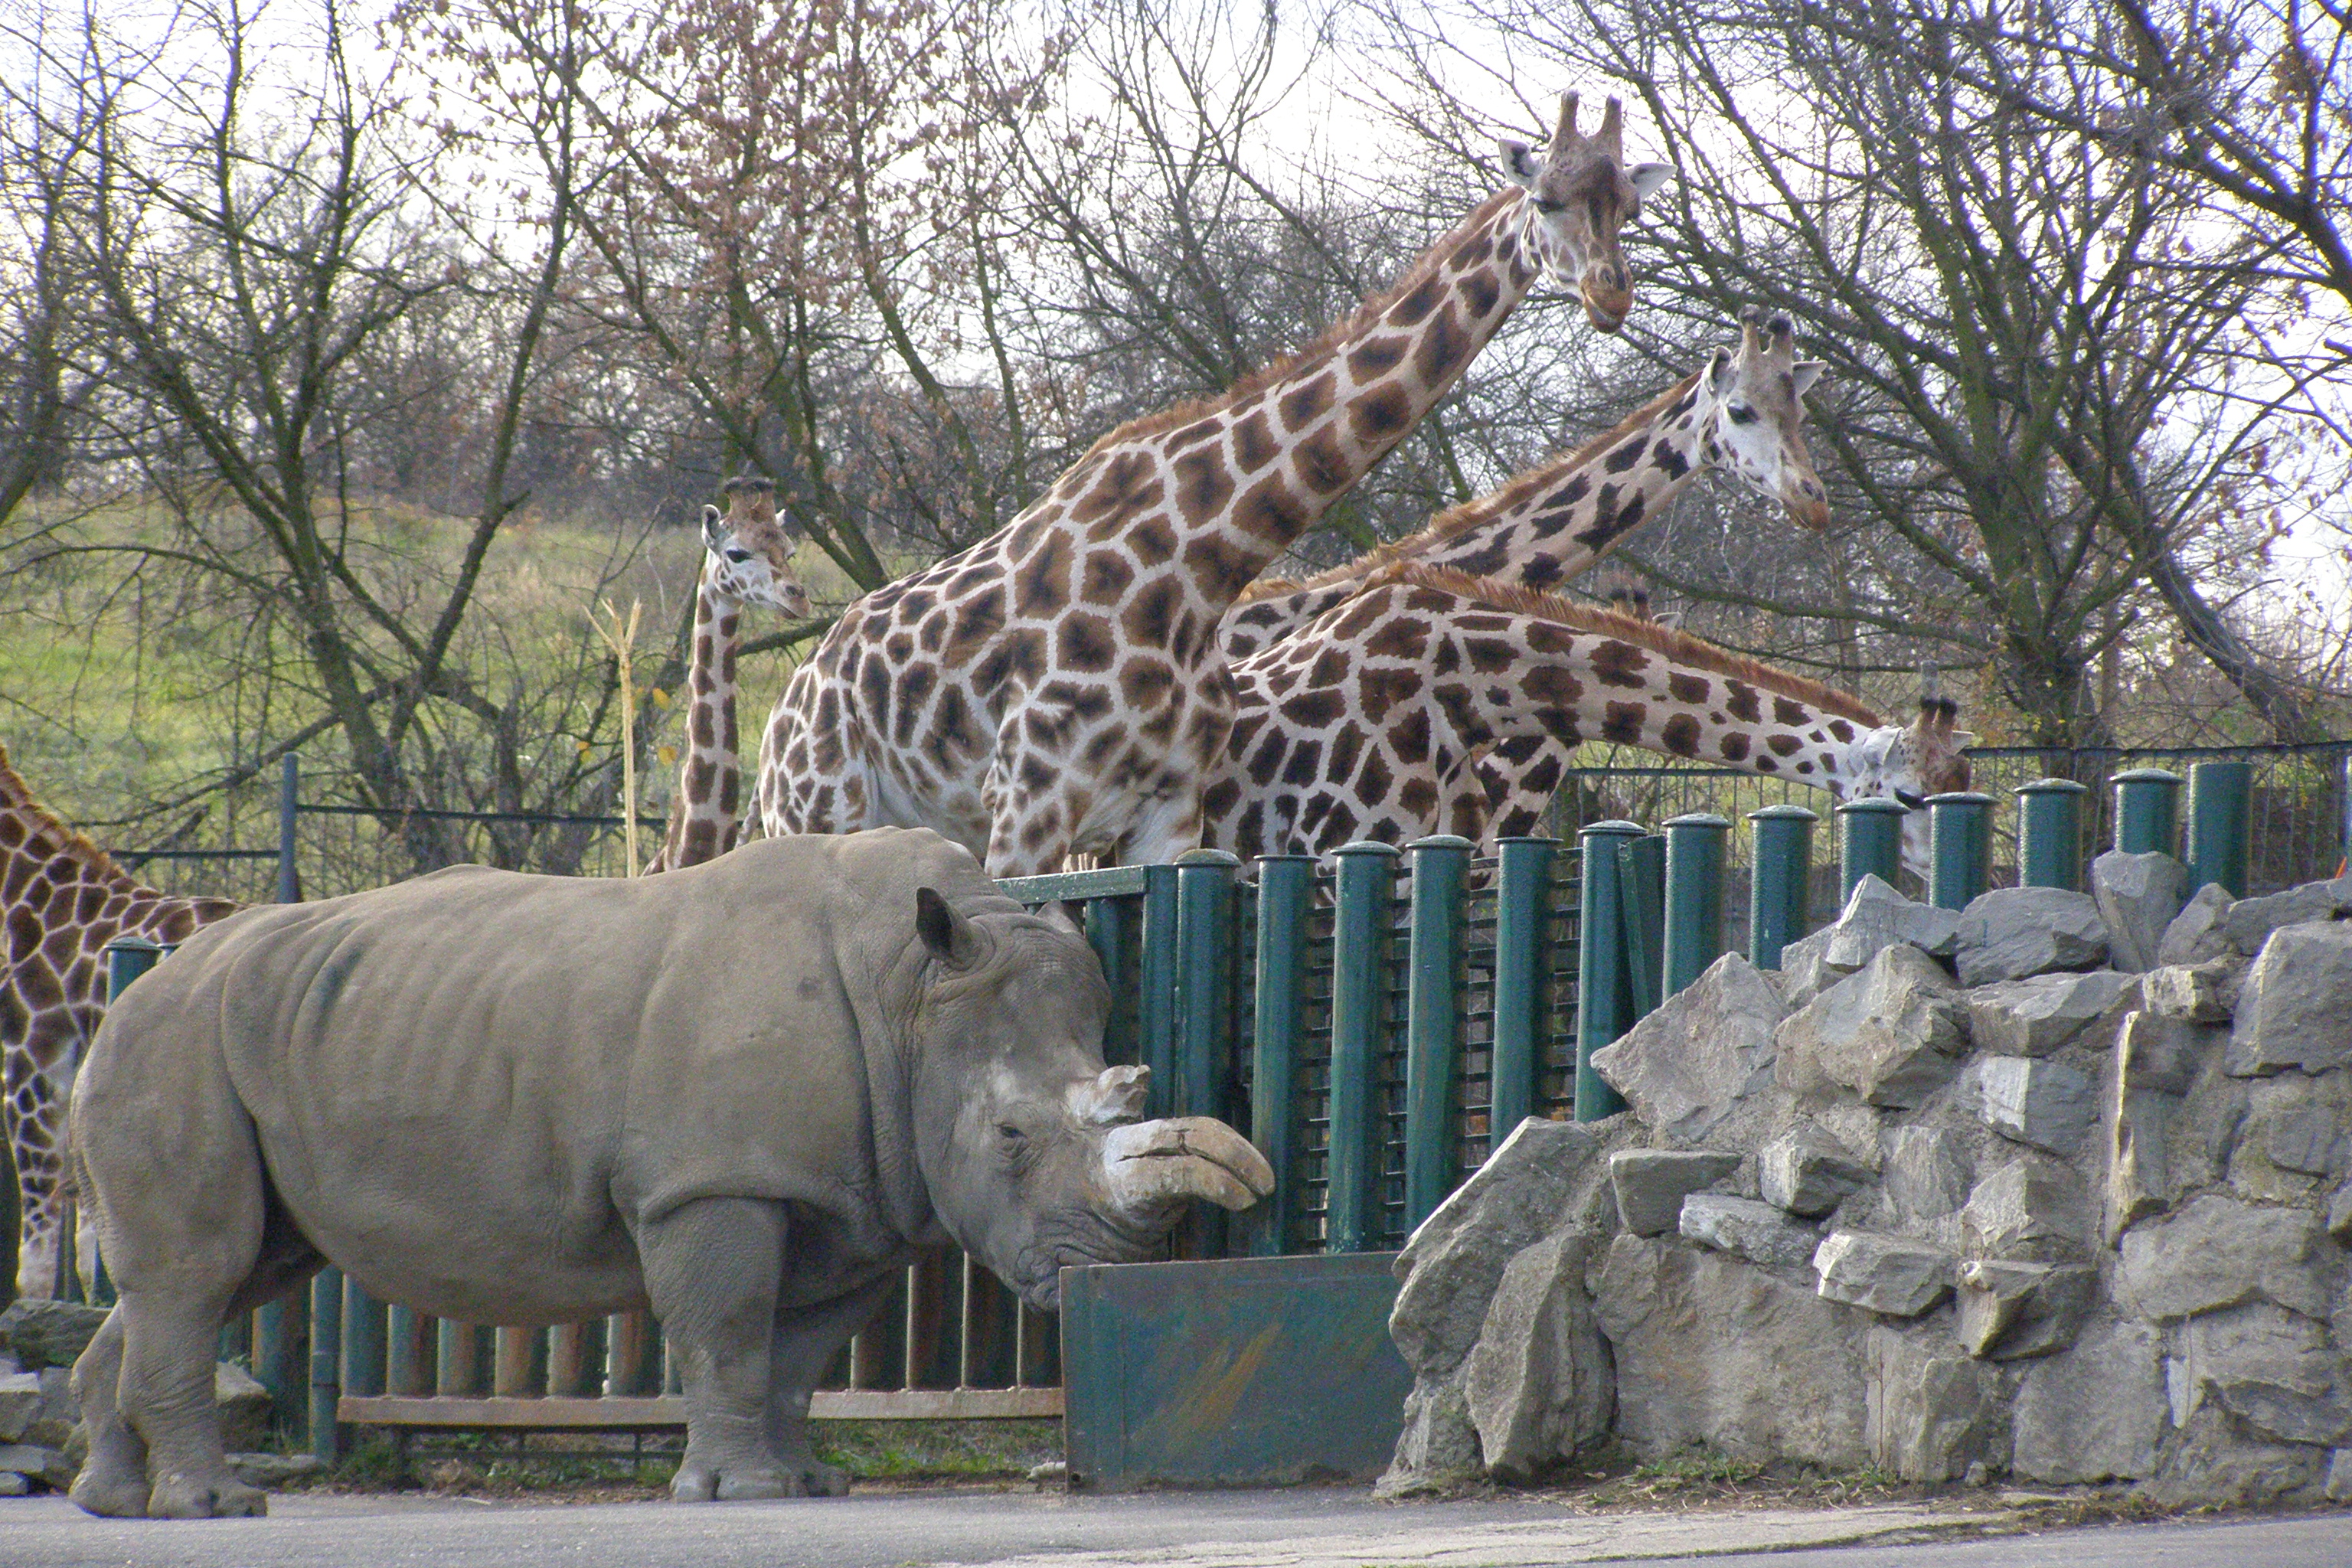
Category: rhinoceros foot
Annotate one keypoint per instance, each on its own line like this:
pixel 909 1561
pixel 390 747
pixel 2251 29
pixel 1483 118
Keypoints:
pixel 698 1481
pixel 111 1493
pixel 197 1497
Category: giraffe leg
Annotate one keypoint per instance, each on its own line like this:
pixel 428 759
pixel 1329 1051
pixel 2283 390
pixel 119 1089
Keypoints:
pixel 32 1109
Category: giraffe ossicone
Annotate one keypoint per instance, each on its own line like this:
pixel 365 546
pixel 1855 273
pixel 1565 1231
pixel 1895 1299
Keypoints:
pixel 1057 687
pixel 62 900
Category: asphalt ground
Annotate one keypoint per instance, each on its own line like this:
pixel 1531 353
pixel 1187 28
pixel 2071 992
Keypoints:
pixel 1295 1528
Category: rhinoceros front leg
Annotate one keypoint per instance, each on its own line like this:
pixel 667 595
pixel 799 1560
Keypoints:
pixel 805 1345
pixel 711 1271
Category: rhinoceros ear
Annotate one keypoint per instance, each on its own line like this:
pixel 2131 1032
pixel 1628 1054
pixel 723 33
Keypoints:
pixel 947 933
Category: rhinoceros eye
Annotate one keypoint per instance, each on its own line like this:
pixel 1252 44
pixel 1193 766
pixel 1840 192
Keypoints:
pixel 1010 1133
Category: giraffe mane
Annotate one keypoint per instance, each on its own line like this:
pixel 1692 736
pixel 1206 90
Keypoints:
pixel 15 794
pixel 1266 376
pixel 1680 646
pixel 1464 516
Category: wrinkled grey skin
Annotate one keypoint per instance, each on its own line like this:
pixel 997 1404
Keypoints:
pixel 744 1094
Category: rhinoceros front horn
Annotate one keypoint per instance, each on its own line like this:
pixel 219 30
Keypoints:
pixel 1156 1164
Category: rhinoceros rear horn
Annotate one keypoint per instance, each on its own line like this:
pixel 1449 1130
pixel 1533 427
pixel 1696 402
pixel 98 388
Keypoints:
pixel 1157 1164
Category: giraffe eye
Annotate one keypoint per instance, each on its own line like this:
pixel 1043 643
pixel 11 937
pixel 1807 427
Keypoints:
pixel 739 556
pixel 1544 205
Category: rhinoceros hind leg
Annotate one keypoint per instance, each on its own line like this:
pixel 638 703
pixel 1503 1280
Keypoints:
pixel 711 1270
pixel 113 1480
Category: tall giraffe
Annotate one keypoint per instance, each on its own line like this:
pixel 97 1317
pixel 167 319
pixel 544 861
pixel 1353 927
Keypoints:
pixel 63 900
pixel 1742 412
pixel 1058 688
pixel 1351 732
pixel 747 560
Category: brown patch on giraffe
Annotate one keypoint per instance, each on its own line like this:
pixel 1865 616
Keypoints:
pixel 1203 485
pixel 1415 306
pixel 1150 614
pixel 1785 711
pixel 1734 747
pixel 1145 681
pixel 1417 797
pixel 1380 691
pixel 1621 723
pixel 1304 404
pixel 1305 756
pixel 1680 735
pixel 1403 637
pixel 1616 663
pixel 1375 357
pixel 1041 585
pixel 1322 464
pixel 1384 412
pixel 916 684
pixel 1841 730
pixel 1443 348
pixel 1743 702
pixel 1104 577
pixel 978 620
pixel 1314 708
pixel 1409 736
pixel 1085 643
pixel 1784 745
pixel 1346 744
pixel 1685 687
pixel 1254 445
pixel 1331 667
pixel 1153 539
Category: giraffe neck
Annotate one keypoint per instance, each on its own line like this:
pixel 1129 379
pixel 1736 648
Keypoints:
pixel 35 848
pixel 706 810
pixel 1543 526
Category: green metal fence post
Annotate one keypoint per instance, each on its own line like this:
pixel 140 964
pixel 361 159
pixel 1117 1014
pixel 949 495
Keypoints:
pixel 1204 1024
pixel 2147 800
pixel 364 1341
pixel 1693 924
pixel 2221 825
pixel 290 803
pixel 1779 890
pixel 127 958
pixel 1869 842
pixel 1642 895
pixel 404 1369
pixel 1285 892
pixel 277 1348
pixel 1440 868
pixel 326 1362
pixel 1959 839
pixel 1522 922
pixel 1110 931
pixel 1156 1008
pixel 1603 990
pixel 1365 883
pixel 2050 834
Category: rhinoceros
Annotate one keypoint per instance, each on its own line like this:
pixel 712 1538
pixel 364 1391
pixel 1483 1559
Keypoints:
pixel 744 1093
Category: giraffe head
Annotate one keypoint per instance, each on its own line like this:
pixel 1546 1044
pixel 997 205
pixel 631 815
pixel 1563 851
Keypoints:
pixel 1909 763
pixel 1752 407
pixel 749 555
pixel 1579 193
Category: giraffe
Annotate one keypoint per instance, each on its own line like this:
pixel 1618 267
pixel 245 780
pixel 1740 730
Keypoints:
pixel 1057 687
pixel 64 898
pixel 1351 732
pixel 747 560
pixel 1742 412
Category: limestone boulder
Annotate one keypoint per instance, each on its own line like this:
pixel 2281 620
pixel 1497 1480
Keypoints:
pixel 1456 1256
pixel 2032 1210
pixel 2043 1103
pixel 1685 1065
pixel 1540 1382
pixel 2195 993
pixel 44 1467
pixel 2136 1177
pixel 1876 917
pixel 2096 1412
pixel 2272 1369
pixel 2014 1311
pixel 1926 1175
pixel 1651 1183
pixel 2194 935
pixel 1803 974
pixel 244 1403
pixel 2137 897
pixel 2249 923
pixel 1747 1229
pixel 47 1333
pixel 2034 1016
pixel 2164 1054
pixel 1892 1275
pixel 20 1404
pixel 2218 1252
pixel 1808 1174
pixel 1710 1349
pixel 2216 1460
pixel 2297 1009
pixel 1892 1034
pixel 1932 1412
pixel 2011 932
pixel 1438 1446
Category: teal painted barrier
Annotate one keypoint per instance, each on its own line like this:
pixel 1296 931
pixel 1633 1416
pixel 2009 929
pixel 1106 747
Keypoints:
pixel 1869 842
pixel 1604 991
pixel 1959 832
pixel 2050 834
pixel 1363 890
pixel 1441 871
pixel 1779 890
pixel 1523 881
pixel 1286 893
pixel 2146 807
pixel 2221 825
pixel 1642 905
pixel 1693 930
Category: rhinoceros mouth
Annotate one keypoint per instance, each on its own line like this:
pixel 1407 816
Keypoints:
pixel 1075 1238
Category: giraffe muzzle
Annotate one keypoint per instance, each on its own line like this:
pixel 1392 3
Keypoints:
pixel 1607 300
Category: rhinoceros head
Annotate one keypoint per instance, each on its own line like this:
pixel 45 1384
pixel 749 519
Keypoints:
pixel 1035 1154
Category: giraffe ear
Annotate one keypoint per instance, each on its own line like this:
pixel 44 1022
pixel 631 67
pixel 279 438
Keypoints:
pixel 1519 162
pixel 1718 369
pixel 1649 179
pixel 713 531
pixel 1804 373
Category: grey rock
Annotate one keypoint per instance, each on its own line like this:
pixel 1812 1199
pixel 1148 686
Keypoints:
pixel 2138 1178
pixel 2045 1103
pixel 1540 1382
pixel 2218 1252
pixel 2195 993
pixel 1438 1446
pixel 1926 1177
pixel 2093 1414
pixel 2194 935
pixel 2272 1369
pixel 1456 1256
pixel 2215 1461
pixel 2303 1138
pixel 13 1485
pixel 1711 1349
pixel 2032 1210
pixel 2297 1009
pixel 2339 1214
pixel 1685 1065
pixel 1651 1183
pixel 2138 896
pixel 2339 1476
pixel 2249 923
pixel 244 1403
pixel 1892 1034
pixel 1888 1274
pixel 2153 1051
pixel 20 1404
pixel 48 1333
pixel 2013 1312
pixel 1808 1174
pixel 43 1466
pixel 9 1365
pixel 1933 1415
pixel 1876 917
pixel 1803 974
pixel 1747 1229
pixel 270 1471
pixel 2011 932
pixel 2034 1016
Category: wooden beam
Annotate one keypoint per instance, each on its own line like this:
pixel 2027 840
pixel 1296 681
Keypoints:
pixel 646 1415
